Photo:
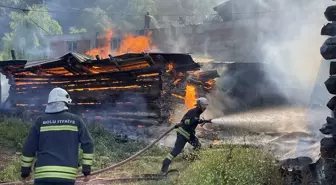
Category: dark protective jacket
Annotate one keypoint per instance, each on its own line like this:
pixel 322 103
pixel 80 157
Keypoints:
pixel 54 140
pixel 189 122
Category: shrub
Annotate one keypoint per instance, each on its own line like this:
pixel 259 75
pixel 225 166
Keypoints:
pixel 243 166
pixel 13 133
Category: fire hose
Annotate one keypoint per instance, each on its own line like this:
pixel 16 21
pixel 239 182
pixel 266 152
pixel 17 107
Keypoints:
pixel 146 177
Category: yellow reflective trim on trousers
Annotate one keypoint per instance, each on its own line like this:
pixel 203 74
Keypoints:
pixel 87 156
pixel 64 169
pixel 25 164
pixel 183 132
pixel 55 175
pixel 170 157
pixel 87 162
pixel 59 128
pixel 27 159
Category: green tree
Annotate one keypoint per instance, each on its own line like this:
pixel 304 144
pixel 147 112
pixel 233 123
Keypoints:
pixel 29 31
pixel 74 30
pixel 94 20
pixel 128 14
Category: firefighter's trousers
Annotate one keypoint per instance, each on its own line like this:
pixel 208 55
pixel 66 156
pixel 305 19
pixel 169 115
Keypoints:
pixel 180 142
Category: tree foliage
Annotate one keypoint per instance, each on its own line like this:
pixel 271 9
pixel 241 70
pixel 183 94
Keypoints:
pixel 74 30
pixel 4 11
pixel 128 14
pixel 29 30
pixel 95 20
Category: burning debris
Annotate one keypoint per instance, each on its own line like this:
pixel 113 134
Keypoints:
pixel 136 88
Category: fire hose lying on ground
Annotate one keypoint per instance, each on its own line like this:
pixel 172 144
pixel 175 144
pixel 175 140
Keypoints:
pixel 127 179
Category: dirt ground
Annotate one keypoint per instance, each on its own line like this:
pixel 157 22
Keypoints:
pixel 6 156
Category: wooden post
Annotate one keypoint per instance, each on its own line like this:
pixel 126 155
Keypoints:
pixel 115 62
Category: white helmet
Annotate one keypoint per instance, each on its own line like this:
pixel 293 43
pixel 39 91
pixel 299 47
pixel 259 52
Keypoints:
pixel 59 95
pixel 202 102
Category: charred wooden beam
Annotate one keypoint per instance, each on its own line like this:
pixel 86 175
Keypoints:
pixel 93 84
pixel 115 75
pixel 45 92
pixel 115 62
pixel 121 62
pixel 206 75
pixel 149 59
pixel 76 80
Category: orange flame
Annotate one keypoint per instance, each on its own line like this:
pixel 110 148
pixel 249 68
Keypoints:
pixel 178 96
pixel 129 44
pixel 136 44
pixel 197 74
pixel 210 82
pixel 170 67
pixel 104 50
pixel 177 81
pixel 190 97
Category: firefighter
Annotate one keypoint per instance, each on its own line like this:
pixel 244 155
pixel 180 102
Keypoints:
pixel 186 132
pixel 54 141
pixel 147 21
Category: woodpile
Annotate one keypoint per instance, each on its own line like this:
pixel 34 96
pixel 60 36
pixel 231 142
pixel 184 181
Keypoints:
pixel 139 88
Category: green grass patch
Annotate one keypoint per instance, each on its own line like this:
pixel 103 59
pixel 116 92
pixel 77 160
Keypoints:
pixel 225 165
pixel 13 133
pixel 232 165
pixel 12 172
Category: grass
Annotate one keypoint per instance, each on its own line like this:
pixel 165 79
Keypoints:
pixel 225 165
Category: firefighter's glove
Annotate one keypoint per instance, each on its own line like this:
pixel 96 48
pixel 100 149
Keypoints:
pixel 202 121
pixel 177 125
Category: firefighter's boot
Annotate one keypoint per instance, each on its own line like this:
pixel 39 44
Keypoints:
pixel 165 166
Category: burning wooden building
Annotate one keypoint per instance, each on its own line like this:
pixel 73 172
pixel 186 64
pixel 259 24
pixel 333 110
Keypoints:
pixel 137 88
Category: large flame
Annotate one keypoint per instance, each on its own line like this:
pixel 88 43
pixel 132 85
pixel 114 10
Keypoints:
pixel 105 49
pixel 190 96
pixel 129 44
pixel 136 44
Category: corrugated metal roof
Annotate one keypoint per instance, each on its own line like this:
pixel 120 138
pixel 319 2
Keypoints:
pixel 39 62
pixel 77 56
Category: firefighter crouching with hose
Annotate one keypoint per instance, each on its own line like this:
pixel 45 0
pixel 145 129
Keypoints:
pixel 54 139
pixel 186 132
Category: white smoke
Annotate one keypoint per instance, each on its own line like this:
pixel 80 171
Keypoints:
pixel 293 53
